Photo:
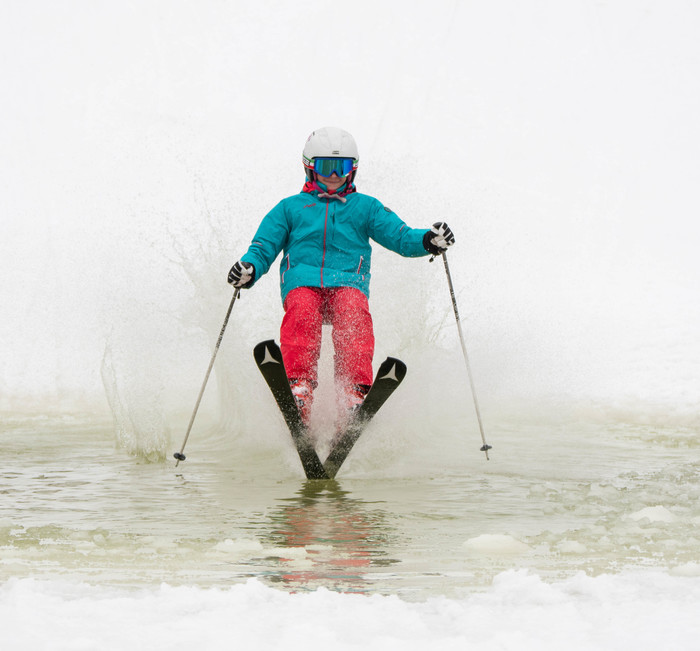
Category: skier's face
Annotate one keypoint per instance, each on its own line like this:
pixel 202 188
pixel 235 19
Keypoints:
pixel 332 182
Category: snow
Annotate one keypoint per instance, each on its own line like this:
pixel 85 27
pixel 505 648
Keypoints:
pixel 519 610
pixel 653 514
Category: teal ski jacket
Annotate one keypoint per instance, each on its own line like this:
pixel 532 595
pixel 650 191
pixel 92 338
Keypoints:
pixel 325 240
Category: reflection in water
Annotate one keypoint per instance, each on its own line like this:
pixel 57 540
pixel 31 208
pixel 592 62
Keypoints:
pixel 342 537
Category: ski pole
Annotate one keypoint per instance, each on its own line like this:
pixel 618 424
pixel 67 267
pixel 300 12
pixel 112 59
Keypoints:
pixel 179 455
pixel 485 447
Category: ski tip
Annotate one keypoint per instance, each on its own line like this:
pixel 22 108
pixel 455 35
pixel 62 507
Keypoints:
pixel 392 369
pixel 267 352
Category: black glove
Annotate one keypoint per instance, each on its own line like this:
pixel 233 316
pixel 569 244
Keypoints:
pixel 438 238
pixel 242 274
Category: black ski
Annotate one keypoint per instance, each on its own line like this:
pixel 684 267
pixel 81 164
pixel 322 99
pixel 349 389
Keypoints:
pixel 389 376
pixel 268 357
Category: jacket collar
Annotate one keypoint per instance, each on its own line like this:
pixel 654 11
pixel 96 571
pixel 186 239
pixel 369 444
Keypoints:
pixel 343 191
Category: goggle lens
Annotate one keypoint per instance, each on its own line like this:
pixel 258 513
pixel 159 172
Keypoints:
pixel 327 166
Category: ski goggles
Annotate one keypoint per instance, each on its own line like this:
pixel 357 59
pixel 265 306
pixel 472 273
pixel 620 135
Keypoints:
pixel 329 166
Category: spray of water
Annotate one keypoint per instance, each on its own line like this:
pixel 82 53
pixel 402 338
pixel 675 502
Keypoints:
pixel 568 193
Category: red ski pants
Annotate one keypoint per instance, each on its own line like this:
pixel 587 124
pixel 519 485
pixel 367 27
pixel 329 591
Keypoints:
pixel 306 309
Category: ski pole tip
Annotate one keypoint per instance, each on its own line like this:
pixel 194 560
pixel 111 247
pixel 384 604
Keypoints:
pixel 179 456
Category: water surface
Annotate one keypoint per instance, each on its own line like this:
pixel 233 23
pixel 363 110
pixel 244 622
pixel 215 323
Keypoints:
pixel 556 498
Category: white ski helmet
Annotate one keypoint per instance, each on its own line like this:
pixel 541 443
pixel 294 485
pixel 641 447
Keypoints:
pixel 330 142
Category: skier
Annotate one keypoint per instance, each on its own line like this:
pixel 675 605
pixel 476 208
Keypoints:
pixel 324 233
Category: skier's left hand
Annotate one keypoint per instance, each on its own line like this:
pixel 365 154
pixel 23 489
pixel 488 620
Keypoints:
pixel 438 238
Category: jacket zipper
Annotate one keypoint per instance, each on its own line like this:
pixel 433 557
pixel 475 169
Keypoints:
pixel 325 232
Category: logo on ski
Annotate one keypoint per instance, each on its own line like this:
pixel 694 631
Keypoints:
pixel 391 375
pixel 268 359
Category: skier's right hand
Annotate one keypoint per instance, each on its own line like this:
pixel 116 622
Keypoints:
pixel 242 274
